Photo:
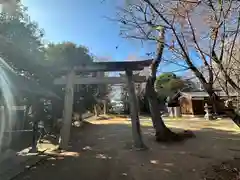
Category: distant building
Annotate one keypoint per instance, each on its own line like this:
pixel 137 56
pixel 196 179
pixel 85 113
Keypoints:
pixel 192 103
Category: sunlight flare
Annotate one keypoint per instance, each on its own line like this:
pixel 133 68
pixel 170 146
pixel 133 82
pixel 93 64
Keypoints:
pixel 7 115
pixel 8 6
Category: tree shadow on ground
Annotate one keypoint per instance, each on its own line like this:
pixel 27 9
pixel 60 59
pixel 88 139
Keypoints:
pixel 17 141
pixel 104 151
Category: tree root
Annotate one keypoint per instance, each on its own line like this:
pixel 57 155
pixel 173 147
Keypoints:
pixel 168 136
pixel 143 147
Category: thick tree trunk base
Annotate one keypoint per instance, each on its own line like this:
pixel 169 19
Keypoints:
pixel 163 134
pixel 168 136
pixel 142 147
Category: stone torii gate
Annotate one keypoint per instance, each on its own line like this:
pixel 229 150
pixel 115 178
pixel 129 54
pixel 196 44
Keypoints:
pixel 71 79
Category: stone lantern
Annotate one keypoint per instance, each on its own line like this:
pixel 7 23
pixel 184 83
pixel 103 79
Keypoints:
pixel 208 111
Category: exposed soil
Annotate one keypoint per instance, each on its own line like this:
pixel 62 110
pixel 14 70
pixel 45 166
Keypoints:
pixel 102 149
pixel 229 170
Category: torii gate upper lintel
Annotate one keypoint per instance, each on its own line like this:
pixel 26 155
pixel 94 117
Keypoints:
pixel 71 79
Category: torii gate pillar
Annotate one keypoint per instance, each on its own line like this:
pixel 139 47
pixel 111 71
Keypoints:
pixel 134 112
pixel 67 112
pixel 95 67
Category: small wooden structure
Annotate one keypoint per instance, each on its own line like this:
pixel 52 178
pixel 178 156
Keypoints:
pixel 72 78
pixel 193 103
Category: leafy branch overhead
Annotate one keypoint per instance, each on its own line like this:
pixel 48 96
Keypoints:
pixel 167 84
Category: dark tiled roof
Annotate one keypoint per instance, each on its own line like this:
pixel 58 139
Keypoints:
pixel 205 94
pixel 197 94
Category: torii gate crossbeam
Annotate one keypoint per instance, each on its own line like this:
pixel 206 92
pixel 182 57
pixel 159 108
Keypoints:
pixel 71 79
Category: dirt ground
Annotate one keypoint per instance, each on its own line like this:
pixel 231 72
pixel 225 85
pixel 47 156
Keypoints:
pixel 101 149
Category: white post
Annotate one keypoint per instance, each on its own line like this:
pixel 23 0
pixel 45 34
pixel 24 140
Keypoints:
pixel 67 112
pixel 105 107
pixel 177 111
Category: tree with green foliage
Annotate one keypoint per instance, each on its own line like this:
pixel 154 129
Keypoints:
pixel 21 41
pixel 59 57
pixel 66 54
pixel 21 51
pixel 167 84
pixel 21 46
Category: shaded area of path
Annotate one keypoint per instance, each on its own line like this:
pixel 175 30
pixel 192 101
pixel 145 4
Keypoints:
pixel 13 162
pixel 102 150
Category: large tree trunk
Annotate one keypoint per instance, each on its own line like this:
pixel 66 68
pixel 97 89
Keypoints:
pixel 158 124
pixel 220 106
pixel 162 133
pixel 213 97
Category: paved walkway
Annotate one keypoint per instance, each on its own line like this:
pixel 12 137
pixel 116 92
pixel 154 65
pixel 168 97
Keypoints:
pixel 102 150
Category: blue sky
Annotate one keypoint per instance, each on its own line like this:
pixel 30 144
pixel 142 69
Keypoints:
pixel 83 22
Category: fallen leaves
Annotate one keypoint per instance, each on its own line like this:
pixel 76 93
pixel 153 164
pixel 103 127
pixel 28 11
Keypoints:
pixel 229 170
